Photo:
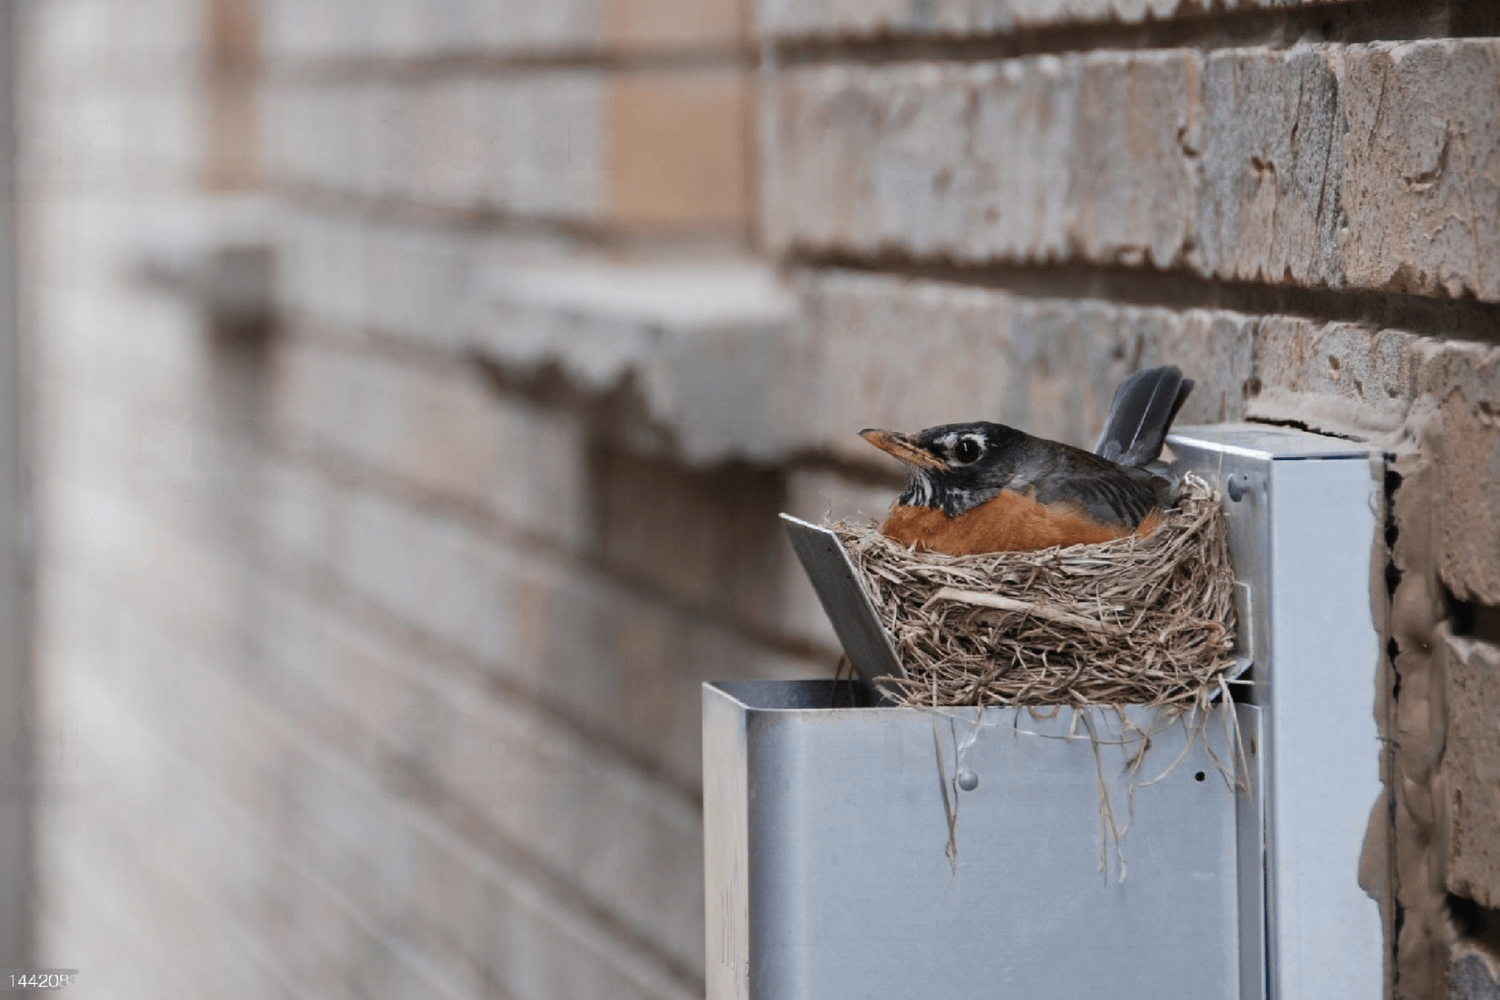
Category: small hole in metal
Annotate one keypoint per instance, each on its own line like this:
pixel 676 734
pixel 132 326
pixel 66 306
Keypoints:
pixel 1199 776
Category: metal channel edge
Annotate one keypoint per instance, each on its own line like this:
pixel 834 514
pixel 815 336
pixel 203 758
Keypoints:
pixel 845 599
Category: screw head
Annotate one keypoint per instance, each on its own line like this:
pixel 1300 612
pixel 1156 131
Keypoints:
pixel 968 780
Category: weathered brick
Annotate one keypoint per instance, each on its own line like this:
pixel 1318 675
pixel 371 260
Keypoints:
pixel 705 349
pixel 990 355
pixel 443 428
pixel 297 516
pixel 531 144
pixel 1033 159
pixel 415 282
pixel 789 19
pixel 332 29
pixel 591 646
pixel 1235 164
pixel 112 143
pixel 1339 376
pixel 632 846
pixel 118 39
pixel 397 29
pixel 1421 192
pixel 232 159
pixel 1464 381
pixel 651 148
pixel 75 923
pixel 1471 768
pixel 120 850
pixel 1271 158
pixel 708 538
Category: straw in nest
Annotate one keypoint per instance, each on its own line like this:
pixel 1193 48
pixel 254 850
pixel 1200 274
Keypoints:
pixel 1146 621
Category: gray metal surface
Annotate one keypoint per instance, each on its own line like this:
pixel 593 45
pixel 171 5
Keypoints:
pixel 17 795
pixel 1301 538
pixel 844 598
pixel 829 875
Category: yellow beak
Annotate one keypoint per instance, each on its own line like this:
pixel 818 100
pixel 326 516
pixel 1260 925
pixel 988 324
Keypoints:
pixel 903 447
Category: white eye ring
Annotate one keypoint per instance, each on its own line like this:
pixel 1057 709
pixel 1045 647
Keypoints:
pixel 968 449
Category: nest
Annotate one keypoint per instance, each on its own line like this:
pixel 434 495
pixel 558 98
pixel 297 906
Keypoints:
pixel 1142 620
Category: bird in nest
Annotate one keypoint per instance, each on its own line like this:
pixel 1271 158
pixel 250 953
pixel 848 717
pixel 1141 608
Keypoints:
pixel 984 487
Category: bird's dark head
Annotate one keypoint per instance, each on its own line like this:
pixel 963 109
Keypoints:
pixel 952 467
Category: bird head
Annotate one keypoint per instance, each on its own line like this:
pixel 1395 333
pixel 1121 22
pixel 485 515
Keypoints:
pixel 952 467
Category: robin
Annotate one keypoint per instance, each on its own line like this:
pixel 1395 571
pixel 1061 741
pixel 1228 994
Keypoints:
pixel 986 487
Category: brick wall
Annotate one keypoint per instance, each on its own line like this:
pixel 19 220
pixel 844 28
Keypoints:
pixel 417 384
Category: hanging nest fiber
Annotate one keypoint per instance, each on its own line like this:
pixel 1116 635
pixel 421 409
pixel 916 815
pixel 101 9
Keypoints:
pixel 1142 621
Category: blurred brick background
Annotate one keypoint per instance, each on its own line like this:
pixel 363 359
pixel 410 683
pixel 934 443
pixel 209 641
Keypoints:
pixel 414 384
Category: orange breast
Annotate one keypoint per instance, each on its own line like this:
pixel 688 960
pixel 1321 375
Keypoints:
pixel 1007 523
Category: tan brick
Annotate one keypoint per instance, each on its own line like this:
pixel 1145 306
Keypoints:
pixel 233 33
pixel 299 516
pixel 416 282
pixel 533 780
pixel 660 24
pixel 566 26
pixel 678 150
pixel 232 159
pixel 263 924
pixel 1471 768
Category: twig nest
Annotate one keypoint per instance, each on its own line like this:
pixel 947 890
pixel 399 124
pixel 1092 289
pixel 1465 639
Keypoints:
pixel 1146 621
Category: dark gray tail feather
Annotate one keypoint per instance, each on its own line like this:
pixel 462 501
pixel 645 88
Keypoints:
pixel 1142 413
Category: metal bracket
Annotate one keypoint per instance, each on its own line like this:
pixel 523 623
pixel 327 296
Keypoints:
pixel 845 599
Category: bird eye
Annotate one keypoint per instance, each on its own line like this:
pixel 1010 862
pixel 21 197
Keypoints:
pixel 967 450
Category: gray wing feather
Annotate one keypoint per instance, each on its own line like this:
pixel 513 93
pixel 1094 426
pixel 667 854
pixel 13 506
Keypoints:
pixel 1107 492
pixel 1144 407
